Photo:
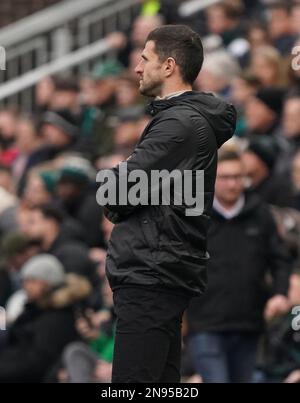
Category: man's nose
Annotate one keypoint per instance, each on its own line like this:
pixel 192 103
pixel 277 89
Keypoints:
pixel 138 69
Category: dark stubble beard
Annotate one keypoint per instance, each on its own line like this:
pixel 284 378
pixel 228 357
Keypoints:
pixel 151 89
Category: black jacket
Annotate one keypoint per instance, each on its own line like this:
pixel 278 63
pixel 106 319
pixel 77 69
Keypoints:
pixel 160 245
pixel 6 287
pixel 243 250
pixel 38 337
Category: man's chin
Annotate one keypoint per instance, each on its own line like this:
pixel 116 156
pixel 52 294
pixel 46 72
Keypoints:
pixel 148 91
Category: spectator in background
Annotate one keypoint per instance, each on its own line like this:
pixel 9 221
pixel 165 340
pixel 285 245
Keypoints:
pixel 36 340
pixel 92 361
pixel 29 144
pixel 39 188
pixel 259 160
pixel 296 181
pixel 7 182
pixel 281 344
pixel 128 91
pixel 295 18
pixel 243 88
pixel 280 26
pixel 59 131
pixel 290 130
pixel 258 36
pixel 266 65
pixel 67 99
pixel 224 19
pixel 16 249
pixel 141 28
pixel 218 71
pixel 291 121
pixel 76 196
pixel 43 94
pixel 263 111
pixel 127 130
pixel 102 95
pixel 104 76
pixel 225 323
pixel 66 95
pixel 48 228
pixel 8 151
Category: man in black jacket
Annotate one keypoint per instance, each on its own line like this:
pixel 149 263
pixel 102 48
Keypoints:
pixel 224 324
pixel 157 253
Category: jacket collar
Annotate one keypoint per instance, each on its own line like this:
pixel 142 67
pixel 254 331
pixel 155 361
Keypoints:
pixel 252 201
pixel 158 105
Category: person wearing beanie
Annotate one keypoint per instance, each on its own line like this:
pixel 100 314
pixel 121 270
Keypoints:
pixel 263 111
pixel 59 129
pixel 36 339
pixel 44 268
pixel 259 160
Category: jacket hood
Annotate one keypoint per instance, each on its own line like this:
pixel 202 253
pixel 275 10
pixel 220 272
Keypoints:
pixel 75 288
pixel 220 115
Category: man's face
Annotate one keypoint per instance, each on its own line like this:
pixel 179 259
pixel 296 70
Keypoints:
pixel 64 99
pixel 35 289
pixel 229 182
pixel 258 115
pixel 54 136
pixel 37 225
pixel 216 20
pixel 279 23
pixel 291 121
pixel 150 71
pixel 68 191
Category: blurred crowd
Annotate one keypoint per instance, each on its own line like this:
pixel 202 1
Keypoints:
pixel 59 309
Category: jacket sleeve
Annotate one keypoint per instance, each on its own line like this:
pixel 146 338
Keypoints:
pixel 279 259
pixel 162 148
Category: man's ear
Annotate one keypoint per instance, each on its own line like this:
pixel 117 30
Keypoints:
pixel 170 66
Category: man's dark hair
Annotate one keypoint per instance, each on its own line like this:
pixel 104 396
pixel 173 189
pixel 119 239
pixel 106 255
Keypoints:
pixel 51 212
pixel 228 155
pixel 233 11
pixel 69 84
pixel 181 43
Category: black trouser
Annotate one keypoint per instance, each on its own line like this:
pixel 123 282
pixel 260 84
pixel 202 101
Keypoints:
pixel 148 335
